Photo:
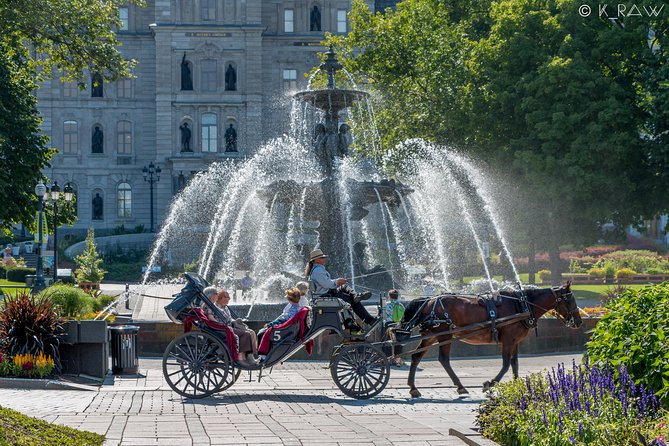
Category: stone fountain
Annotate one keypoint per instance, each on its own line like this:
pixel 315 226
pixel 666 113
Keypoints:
pixel 324 203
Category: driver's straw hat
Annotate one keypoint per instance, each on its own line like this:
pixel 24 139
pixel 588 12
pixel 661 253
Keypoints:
pixel 316 254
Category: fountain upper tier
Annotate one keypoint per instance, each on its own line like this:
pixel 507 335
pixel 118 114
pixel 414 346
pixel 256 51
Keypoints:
pixel 331 100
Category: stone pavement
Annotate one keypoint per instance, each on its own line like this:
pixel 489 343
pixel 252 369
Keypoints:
pixel 297 404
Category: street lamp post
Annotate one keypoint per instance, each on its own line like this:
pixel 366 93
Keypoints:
pixel 152 175
pixel 53 195
pixel 38 286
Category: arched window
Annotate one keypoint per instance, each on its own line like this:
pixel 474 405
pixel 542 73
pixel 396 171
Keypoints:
pixel 70 137
pixel 209 133
pixel 124 200
pixel 124 137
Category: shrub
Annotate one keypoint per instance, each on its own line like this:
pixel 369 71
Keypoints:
pixel 19 273
pixel 582 406
pixel 598 273
pixel 635 333
pixel 656 271
pixel 609 269
pixel 3 272
pixel 72 302
pixel 612 293
pixel 89 262
pixel 124 272
pixel 575 267
pixel 100 302
pixel 625 273
pixel 544 275
pixel 30 325
pixel 638 260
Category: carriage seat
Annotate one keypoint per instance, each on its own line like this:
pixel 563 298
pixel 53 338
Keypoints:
pixel 294 329
pixel 196 315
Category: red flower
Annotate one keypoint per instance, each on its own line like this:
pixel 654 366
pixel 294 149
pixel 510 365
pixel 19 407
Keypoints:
pixel 2 357
pixel 28 365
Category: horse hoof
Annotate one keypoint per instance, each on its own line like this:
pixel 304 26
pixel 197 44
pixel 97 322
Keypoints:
pixel 415 393
pixel 488 385
pixel 462 391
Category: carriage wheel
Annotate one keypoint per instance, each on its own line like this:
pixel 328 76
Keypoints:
pixel 361 370
pixel 197 364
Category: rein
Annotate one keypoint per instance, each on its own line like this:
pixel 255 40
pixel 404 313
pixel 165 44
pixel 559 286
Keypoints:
pixel 558 298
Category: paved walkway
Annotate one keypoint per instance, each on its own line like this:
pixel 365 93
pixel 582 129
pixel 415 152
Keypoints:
pixel 297 404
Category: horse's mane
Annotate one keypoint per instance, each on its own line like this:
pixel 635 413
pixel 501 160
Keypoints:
pixel 412 308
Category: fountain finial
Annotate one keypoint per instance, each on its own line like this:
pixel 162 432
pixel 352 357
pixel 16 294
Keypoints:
pixel 331 66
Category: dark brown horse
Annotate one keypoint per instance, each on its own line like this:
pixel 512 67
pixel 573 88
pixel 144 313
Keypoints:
pixel 465 311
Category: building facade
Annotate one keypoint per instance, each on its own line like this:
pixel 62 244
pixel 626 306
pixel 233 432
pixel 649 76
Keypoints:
pixel 210 84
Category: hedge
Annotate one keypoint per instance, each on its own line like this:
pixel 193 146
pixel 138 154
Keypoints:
pixel 19 273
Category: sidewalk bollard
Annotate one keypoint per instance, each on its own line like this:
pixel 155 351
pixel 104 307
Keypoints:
pixel 127 296
pixel 124 349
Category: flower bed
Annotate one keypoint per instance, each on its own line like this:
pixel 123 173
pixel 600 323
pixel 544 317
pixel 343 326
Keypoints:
pixel 584 405
pixel 26 366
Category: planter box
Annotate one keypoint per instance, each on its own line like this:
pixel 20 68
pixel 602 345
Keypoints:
pixel 85 348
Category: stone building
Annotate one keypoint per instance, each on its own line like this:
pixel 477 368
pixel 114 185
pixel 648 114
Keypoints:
pixel 209 77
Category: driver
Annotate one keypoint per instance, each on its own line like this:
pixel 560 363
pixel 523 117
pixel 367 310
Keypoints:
pixel 326 286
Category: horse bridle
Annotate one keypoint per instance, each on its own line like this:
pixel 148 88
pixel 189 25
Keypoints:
pixel 570 300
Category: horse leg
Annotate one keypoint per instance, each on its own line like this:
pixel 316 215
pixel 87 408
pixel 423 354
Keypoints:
pixel 506 361
pixel 445 360
pixel 415 360
pixel 514 360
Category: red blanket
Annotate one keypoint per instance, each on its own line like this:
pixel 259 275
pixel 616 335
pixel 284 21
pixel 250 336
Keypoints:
pixel 230 336
pixel 301 316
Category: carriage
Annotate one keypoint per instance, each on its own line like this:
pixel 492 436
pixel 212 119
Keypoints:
pixel 202 361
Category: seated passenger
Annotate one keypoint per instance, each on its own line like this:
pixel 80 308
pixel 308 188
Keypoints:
pixel 293 296
pixel 303 287
pixel 248 342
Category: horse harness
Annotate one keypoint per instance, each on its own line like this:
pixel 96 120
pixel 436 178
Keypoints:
pixel 432 320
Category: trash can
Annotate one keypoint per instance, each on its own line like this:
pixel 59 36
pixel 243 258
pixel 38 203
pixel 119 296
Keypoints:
pixel 124 349
pixel 30 280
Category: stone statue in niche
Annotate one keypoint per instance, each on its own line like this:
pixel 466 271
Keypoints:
pixel 97 141
pixel 98 207
pixel 186 75
pixel 97 86
pixel 315 22
pixel 185 137
pixel 231 139
pixel 230 78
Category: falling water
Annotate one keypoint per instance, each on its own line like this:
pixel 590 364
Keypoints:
pixel 385 225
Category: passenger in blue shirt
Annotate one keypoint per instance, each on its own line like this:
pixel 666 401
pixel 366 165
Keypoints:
pixel 324 285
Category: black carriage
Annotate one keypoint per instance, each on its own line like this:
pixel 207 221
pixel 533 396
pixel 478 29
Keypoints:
pixel 200 363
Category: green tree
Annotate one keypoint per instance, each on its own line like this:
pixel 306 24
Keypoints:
pixel 40 39
pixel 23 149
pixel 89 262
pixel 572 108
pixel 67 37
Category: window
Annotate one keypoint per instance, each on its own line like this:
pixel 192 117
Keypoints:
pixel 209 75
pixel 288 22
pixel 70 137
pixel 124 200
pixel 123 16
pixel 341 21
pixel 70 90
pixel 124 137
pixel 209 133
pixel 289 80
pixel 208 9
pixel 124 88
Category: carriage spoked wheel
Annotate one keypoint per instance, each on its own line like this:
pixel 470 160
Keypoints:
pixel 197 364
pixel 360 370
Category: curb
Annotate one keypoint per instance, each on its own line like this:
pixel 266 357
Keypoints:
pixel 470 437
pixel 43 384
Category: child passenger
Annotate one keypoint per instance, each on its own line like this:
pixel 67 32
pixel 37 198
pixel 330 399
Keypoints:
pixel 293 296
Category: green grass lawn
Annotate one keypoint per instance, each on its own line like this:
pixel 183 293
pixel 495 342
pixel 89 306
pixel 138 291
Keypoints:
pixel 12 291
pixel 21 430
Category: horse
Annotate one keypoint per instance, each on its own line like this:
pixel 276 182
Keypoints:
pixel 460 311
